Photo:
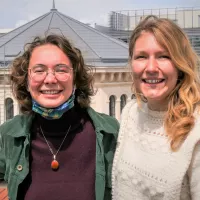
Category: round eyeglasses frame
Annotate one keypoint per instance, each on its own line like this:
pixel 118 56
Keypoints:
pixel 41 75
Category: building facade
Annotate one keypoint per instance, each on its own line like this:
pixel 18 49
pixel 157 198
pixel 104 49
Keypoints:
pixel 123 22
pixel 112 86
pixel 128 19
pixel 107 55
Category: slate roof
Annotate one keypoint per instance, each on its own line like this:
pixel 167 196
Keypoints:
pixel 98 49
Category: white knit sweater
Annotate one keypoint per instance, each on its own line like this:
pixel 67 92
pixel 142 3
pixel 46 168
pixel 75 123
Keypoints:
pixel 144 166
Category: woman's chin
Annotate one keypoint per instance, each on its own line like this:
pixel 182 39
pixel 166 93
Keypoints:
pixel 154 94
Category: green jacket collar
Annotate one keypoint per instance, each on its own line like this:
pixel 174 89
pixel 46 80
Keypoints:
pixel 102 123
pixel 21 128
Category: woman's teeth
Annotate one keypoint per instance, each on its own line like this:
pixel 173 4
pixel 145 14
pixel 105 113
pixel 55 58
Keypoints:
pixel 50 91
pixel 153 81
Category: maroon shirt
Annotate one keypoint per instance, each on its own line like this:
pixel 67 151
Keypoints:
pixel 75 178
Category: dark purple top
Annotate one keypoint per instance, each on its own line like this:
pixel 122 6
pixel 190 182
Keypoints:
pixel 75 178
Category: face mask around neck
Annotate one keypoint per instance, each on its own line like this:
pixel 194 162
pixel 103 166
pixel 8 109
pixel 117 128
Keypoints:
pixel 54 113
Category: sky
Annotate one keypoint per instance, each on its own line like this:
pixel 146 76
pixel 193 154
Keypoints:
pixel 15 13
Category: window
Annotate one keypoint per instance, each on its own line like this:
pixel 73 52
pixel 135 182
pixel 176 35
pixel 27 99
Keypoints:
pixel 112 106
pixel 9 108
pixel 133 96
pixel 196 41
pixel 122 102
pixel 199 20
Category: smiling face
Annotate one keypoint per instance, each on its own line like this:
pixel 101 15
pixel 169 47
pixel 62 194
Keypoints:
pixel 155 75
pixel 50 92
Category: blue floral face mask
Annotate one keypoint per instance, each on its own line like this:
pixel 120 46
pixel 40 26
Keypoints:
pixel 54 113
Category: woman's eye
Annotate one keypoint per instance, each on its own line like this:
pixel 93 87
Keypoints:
pixel 61 70
pixel 38 70
pixel 139 57
pixel 164 56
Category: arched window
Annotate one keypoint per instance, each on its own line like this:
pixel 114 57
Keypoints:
pixel 122 102
pixel 9 108
pixel 112 106
pixel 133 96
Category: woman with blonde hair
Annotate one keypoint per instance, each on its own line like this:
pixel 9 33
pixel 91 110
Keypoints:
pixel 158 151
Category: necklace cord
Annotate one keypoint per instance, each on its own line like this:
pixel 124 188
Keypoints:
pixel 54 155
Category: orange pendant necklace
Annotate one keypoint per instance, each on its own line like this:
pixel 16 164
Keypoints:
pixel 54 163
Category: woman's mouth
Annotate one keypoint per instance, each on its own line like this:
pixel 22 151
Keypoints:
pixel 153 81
pixel 50 91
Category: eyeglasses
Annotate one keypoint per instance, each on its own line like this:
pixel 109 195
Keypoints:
pixel 39 73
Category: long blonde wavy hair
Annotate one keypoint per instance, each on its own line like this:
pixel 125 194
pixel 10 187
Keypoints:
pixel 185 98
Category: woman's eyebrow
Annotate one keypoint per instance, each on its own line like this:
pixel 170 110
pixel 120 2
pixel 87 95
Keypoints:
pixel 39 65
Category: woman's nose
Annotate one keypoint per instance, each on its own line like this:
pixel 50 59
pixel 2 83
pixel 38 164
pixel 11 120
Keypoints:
pixel 152 65
pixel 50 78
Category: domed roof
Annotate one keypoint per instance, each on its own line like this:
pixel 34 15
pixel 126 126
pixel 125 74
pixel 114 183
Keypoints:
pixel 98 49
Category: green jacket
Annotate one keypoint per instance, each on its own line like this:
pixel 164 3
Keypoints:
pixel 15 145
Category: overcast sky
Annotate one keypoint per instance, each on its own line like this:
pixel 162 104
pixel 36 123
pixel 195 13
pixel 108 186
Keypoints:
pixel 17 12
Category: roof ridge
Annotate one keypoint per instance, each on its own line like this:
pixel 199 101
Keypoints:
pixel 80 37
pixel 50 22
pixel 99 49
pixel 95 30
pixel 24 29
pixel 23 25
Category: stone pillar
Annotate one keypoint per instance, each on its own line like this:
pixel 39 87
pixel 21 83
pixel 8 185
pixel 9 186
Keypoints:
pixel 16 108
pixel 117 109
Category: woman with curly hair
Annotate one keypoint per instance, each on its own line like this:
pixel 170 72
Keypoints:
pixel 158 151
pixel 59 148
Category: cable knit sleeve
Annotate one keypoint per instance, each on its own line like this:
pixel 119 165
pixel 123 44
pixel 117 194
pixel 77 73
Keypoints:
pixel 194 173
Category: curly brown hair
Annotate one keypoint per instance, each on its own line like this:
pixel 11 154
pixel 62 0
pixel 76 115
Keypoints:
pixel 184 100
pixel 83 78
